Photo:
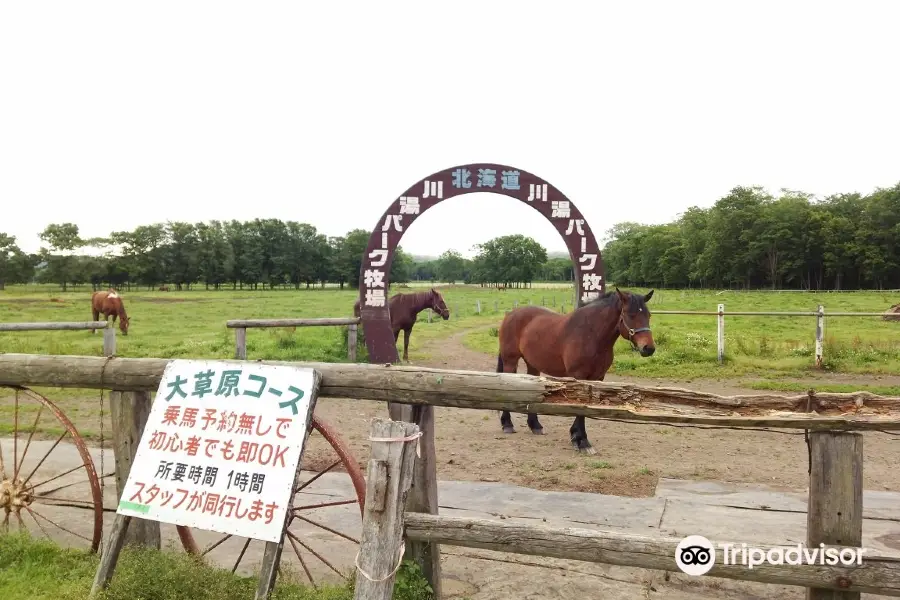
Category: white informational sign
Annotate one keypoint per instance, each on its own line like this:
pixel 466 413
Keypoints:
pixel 221 447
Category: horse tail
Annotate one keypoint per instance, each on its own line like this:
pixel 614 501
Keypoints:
pixel 499 364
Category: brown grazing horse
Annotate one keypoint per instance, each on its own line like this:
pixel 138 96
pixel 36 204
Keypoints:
pixel 405 308
pixel 579 344
pixel 110 303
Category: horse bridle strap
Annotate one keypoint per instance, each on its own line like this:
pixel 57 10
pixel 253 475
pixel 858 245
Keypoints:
pixel 631 332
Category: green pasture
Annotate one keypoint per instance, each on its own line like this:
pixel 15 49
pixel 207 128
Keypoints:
pixel 192 324
pixel 32 569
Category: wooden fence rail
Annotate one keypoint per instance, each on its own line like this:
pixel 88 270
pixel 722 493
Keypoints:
pixel 55 326
pixel 241 326
pixel 876 574
pixel 834 515
pixel 518 393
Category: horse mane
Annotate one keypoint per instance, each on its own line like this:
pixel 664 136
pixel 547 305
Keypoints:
pixel 415 298
pixel 635 301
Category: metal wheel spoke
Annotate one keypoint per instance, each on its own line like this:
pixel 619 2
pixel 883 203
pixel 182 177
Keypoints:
pixel 216 545
pixel 328 529
pixel 324 505
pixel 28 443
pixel 314 553
pixel 241 555
pixel 302 562
pixel 38 523
pixel 2 466
pixel 58 526
pixel 317 475
pixel 53 501
pixel 52 448
pixel 46 481
pixel 16 432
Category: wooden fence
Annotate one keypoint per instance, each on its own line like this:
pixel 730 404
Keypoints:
pixel 108 328
pixel 241 326
pixel 836 456
pixel 818 335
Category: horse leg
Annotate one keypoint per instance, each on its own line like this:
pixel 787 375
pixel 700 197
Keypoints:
pixel 96 314
pixel 406 333
pixel 579 438
pixel 533 423
pixel 505 418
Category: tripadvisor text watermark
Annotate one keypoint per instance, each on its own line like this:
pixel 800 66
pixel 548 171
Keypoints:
pixel 696 555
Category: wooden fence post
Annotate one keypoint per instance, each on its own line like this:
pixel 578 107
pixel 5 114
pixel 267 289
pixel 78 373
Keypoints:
pixel 423 497
pixel 129 412
pixel 478 306
pixel 496 306
pixel 240 343
pixel 109 341
pixel 388 479
pixel 515 304
pixel 352 334
pixel 721 333
pixel 430 313
pixel 820 337
pixel 834 513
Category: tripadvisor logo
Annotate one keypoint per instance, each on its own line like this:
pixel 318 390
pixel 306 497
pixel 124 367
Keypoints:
pixel 696 555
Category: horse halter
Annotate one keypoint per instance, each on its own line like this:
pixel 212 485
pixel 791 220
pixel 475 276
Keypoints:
pixel 631 330
pixel 439 310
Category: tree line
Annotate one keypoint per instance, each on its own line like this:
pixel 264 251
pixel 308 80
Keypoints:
pixel 263 253
pixel 748 239
pixel 752 239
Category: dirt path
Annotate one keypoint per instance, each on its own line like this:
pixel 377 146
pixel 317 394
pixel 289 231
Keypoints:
pixel 630 458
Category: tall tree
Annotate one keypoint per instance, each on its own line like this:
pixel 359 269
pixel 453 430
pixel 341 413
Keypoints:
pixel 63 240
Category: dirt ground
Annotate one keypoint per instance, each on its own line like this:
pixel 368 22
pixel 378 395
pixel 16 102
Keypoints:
pixel 630 457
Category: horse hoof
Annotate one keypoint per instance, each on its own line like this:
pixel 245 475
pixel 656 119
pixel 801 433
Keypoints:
pixel 584 447
pixel 509 429
pixel 538 431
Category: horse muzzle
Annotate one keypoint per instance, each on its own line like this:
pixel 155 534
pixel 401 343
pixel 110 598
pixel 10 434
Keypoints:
pixel 647 351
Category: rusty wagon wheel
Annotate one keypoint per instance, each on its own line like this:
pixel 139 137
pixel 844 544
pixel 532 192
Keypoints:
pixel 313 502
pixel 46 477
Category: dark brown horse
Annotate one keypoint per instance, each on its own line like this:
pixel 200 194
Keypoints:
pixel 579 344
pixel 108 303
pixel 405 308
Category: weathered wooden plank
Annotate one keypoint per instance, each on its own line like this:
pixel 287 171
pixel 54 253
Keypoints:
pixel 390 473
pixel 878 575
pixel 53 326
pixel 111 554
pixel 129 412
pixel 835 498
pixel 502 391
pixel 352 342
pixel 323 322
pixel 423 497
pixel 240 343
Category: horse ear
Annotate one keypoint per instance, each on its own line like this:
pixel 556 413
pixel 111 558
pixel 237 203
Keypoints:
pixel 621 294
pixel 648 296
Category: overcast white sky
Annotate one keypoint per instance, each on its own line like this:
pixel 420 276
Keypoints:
pixel 116 114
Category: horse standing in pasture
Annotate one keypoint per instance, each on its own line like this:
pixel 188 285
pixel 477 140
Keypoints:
pixel 108 303
pixel 579 344
pixel 404 310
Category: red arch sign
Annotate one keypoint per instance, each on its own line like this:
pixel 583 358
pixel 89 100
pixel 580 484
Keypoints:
pixel 374 276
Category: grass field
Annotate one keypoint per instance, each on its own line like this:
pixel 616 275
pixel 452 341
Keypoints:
pixel 33 569
pixel 192 324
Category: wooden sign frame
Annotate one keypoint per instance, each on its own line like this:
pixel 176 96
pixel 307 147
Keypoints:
pixel 271 554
